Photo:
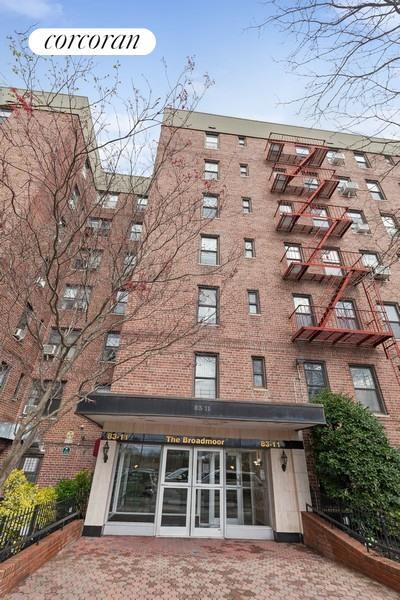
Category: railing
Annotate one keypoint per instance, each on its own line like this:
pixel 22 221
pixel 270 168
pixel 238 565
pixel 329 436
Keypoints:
pixel 339 318
pixel 296 207
pixel 21 529
pixel 304 182
pixel 377 531
pixel 294 139
pixel 323 258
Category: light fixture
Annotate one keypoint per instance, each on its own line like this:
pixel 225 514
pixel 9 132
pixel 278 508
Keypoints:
pixel 106 448
pixel 284 460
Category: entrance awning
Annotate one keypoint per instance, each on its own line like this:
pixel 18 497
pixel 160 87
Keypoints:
pixel 105 407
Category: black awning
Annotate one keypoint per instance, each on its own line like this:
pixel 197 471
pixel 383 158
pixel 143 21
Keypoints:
pixel 102 406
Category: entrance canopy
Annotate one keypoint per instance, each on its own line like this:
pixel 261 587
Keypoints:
pixel 102 408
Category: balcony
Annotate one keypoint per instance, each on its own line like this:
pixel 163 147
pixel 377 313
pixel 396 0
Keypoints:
pixel 321 264
pixel 304 218
pixel 338 326
pixel 305 182
pixel 281 149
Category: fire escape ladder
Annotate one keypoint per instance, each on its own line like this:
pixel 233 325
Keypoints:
pixel 338 294
pixel 390 346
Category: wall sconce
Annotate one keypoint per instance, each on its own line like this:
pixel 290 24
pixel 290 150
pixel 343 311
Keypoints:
pixel 106 448
pixel 284 460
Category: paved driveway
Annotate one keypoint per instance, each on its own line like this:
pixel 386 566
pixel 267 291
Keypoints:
pixel 131 568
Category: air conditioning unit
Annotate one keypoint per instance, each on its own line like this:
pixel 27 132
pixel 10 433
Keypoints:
pixel 381 272
pixel 361 227
pixel 50 349
pixel 336 159
pixel 348 188
pixel 40 282
pixel 20 333
pixel 28 408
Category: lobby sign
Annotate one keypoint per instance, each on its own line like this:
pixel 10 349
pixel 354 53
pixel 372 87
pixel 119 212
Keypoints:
pixel 192 440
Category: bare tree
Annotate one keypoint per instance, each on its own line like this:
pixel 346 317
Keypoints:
pixel 85 250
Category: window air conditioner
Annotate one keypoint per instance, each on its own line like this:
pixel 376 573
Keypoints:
pixel 40 282
pixel 28 408
pixel 336 159
pixel 381 272
pixel 349 188
pixel 20 333
pixel 361 227
pixel 50 349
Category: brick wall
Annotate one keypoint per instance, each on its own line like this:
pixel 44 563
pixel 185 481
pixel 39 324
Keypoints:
pixel 337 545
pixel 17 568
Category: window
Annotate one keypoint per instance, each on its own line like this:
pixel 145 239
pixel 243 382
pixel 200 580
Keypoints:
pixel 37 391
pixel 390 225
pixel 242 140
pixel 30 466
pixel 246 205
pixel 361 160
pixel 366 387
pixel 136 232
pixel 4 114
pixel 212 141
pixel 303 310
pixel 285 208
pixel 129 263
pixel 102 388
pixel 206 376
pixel 249 250
pixel 335 157
pixel 76 297
pixel 302 151
pixel 258 364
pixel 375 190
pixel 99 226
pixel 311 183
pixel 70 337
pixel 342 182
pixel 207 306
pixel 4 371
pixel 244 170
pixel 389 159
pixel 293 253
pixel 316 378
pixel 391 316
pixel 107 200
pixel 111 346
pixel 88 260
pixel 253 299
pixel 323 221
pixel 346 317
pixel 73 200
pixel 23 323
pixel 142 202
pixel 210 170
pixel 86 168
pixel 209 252
pixel 210 206
pixel 121 302
pixel 370 259
pixel 357 217
pixel 18 387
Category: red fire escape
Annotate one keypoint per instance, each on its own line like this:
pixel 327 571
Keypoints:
pixel 297 171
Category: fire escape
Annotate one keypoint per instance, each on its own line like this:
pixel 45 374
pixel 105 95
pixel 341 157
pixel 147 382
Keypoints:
pixel 297 172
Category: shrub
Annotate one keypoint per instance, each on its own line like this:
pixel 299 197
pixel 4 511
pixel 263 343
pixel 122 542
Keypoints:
pixel 20 494
pixel 78 487
pixel 354 460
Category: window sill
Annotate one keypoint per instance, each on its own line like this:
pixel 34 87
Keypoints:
pixel 255 314
pixel 260 389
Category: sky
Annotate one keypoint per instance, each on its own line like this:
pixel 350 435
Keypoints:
pixel 249 82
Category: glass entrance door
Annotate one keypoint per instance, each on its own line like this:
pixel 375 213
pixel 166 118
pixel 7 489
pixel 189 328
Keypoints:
pixel 191 492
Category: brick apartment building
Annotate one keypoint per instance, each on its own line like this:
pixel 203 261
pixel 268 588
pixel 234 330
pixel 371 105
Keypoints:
pixel 207 438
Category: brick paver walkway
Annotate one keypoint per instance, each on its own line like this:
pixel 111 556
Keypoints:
pixel 132 568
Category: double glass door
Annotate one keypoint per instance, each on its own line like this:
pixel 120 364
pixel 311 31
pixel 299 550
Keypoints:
pixel 191 486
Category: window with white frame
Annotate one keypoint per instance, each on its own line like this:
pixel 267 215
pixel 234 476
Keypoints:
pixel 142 202
pixel 76 297
pixel 357 217
pixel 253 300
pixel 135 232
pixel 210 206
pixel 98 226
pixel 249 248
pixel 108 200
pixel 370 259
pixel 211 170
pixel 209 250
pixel 361 160
pixel 242 140
pixel 375 190
pixel 121 302
pixel 366 387
pixel 244 170
pixel 311 183
pixel 211 140
pixel 206 376
pixel 390 225
pixel 293 253
pixel 30 467
pixel 302 151
pixel 246 206
pixel 391 316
